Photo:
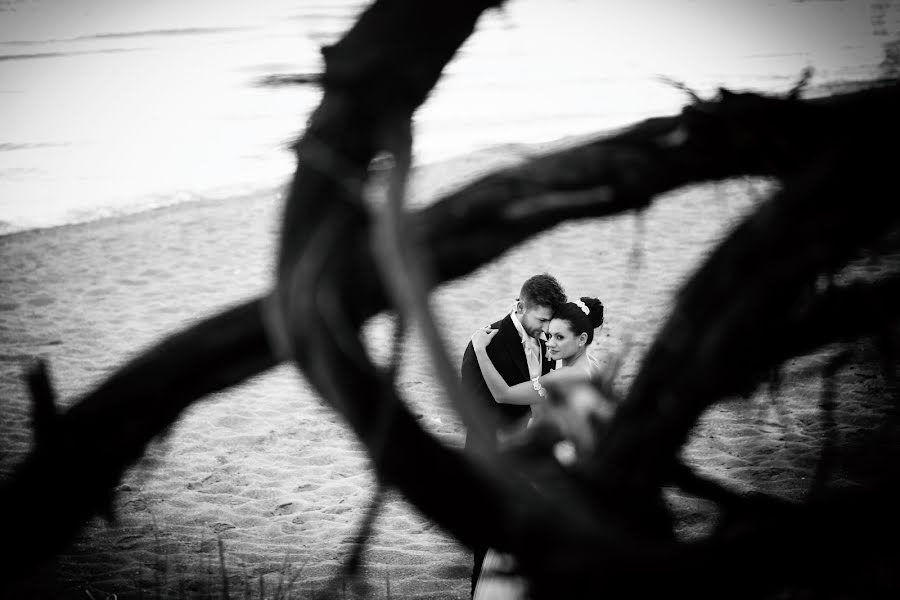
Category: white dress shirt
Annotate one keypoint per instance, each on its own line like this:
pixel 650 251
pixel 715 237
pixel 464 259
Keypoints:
pixel 531 346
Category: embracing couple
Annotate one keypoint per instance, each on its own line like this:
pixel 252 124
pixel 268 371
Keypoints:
pixel 542 341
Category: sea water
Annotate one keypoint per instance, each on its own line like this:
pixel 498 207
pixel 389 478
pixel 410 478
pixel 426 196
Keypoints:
pixel 110 107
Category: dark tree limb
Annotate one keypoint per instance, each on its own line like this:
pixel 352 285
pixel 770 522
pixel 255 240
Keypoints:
pixel 93 442
pixel 728 322
pixel 122 393
pixel 428 484
pixel 325 252
pixel 734 135
pixel 328 284
pixel 405 278
pixel 43 396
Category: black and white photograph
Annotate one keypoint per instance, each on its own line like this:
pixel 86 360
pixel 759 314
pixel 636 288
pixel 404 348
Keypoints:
pixel 449 299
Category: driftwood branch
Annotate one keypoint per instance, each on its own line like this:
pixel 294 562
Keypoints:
pixel 605 515
pixel 494 194
pixel 327 251
pixel 90 445
pixel 735 315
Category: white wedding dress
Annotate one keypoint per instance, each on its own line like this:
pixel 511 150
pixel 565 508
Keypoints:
pixel 495 581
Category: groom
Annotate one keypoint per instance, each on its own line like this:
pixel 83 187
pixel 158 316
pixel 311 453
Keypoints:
pixel 518 353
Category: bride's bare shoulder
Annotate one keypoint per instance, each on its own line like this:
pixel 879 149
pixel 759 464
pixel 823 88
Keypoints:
pixel 593 368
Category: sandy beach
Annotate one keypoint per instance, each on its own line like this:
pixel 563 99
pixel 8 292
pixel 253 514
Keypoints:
pixel 267 469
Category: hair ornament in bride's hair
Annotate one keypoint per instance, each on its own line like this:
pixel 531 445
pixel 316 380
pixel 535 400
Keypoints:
pixel 580 304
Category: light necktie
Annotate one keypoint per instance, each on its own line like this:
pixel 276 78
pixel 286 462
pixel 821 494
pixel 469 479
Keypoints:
pixel 532 356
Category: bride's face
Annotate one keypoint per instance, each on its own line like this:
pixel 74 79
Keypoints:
pixel 562 342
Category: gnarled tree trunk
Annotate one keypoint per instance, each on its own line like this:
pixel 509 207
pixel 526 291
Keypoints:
pixel 753 305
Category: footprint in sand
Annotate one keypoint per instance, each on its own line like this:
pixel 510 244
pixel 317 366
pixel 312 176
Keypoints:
pixel 284 509
pixel 40 301
pixel 137 505
pixel 220 527
pixel 128 542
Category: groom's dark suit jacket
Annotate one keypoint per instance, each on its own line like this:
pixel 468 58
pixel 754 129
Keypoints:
pixel 508 356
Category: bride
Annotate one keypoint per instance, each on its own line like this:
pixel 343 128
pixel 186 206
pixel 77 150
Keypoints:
pixel 571 331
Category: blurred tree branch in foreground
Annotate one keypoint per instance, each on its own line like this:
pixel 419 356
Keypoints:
pixel 600 524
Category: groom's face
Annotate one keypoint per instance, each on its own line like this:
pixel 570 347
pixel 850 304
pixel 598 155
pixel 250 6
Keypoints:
pixel 535 319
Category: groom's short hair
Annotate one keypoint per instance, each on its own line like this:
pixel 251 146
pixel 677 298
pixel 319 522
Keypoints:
pixel 542 290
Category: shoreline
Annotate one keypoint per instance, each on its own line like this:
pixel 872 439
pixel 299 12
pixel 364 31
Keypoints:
pixel 153 211
pixel 518 150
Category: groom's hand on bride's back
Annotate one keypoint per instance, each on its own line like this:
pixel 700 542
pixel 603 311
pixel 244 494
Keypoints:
pixel 483 337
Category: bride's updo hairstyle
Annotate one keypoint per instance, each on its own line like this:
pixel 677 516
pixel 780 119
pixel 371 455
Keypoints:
pixel 584 315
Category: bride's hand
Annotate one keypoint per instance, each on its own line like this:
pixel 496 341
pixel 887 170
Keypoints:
pixel 483 337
